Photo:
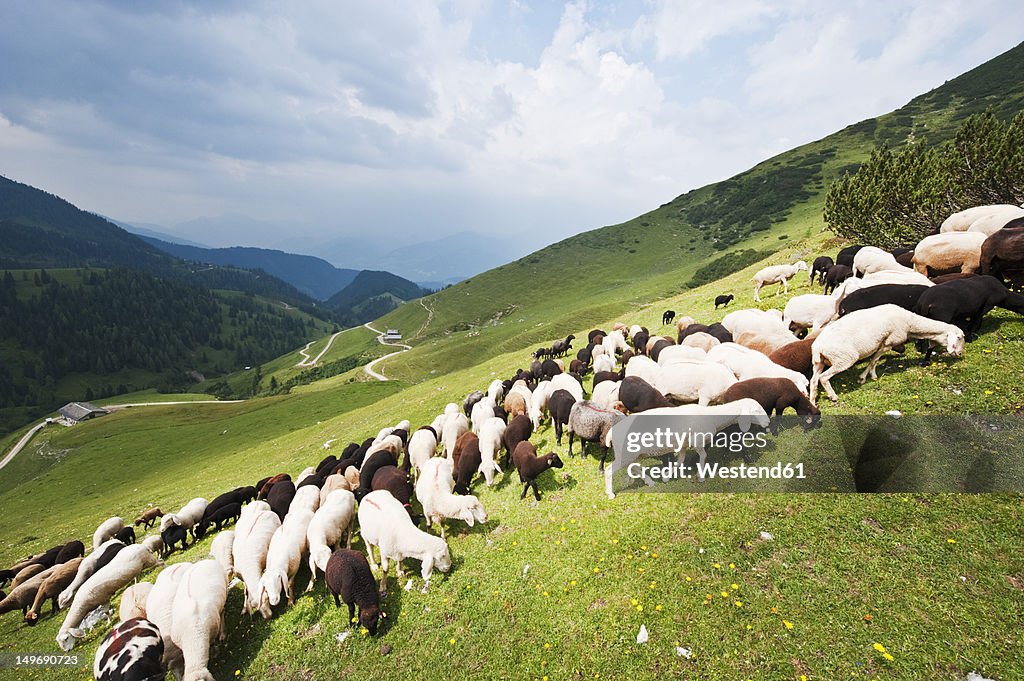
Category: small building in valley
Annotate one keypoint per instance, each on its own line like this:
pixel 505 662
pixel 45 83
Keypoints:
pixel 392 335
pixel 76 412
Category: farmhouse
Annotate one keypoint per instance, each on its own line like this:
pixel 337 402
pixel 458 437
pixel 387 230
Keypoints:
pixel 392 335
pixel 76 412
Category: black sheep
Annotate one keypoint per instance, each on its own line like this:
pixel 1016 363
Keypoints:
pixel 541 352
pixel 1002 254
pixel 73 549
pixel 579 367
pixel 594 334
pixel 348 575
pixel 723 300
pixel 126 535
pixel 845 256
pixel 549 369
pixel 271 482
pixel 471 399
pixel 656 349
pixel 350 449
pixel 314 479
pixel 500 413
pixel 396 481
pixel 904 295
pixel 586 355
pixel 235 496
pixel 222 515
pixel 820 267
pixel 602 376
pixel 132 651
pixel 280 498
pixel 835 276
pixel 715 330
pixel 559 405
pixel 466 459
pixel 375 461
pixel 328 463
pixel 247 493
pixel 965 302
pixel 639 340
pixel 667 317
pixel 638 395
pixel 521 428
pixel 560 347
pixel 529 466
pixel 174 534
pixel 536 370
pixel 112 550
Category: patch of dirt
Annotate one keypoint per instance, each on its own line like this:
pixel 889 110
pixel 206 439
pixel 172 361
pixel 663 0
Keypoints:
pixel 597 605
pixel 308 632
pixel 871 522
pixel 1016 581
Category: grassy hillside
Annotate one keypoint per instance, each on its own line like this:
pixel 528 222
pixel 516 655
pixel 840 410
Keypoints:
pixel 372 294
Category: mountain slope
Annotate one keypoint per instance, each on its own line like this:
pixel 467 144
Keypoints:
pixel 315 277
pixel 372 294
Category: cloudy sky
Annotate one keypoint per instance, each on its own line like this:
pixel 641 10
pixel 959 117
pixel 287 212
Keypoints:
pixel 300 123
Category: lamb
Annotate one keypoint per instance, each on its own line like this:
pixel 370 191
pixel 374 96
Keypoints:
pixel 747 363
pixel 872 259
pixel 774 395
pixel 253 533
pixel 148 517
pixel 590 423
pixel 568 383
pixel 284 556
pixel 384 524
pixel 56 580
pixel 280 498
pixel 197 617
pixel 530 466
pixel 434 490
pixel 745 413
pixel 456 426
pixel 835 276
pixel 724 300
pixel 962 220
pixel 132 650
pixel 1002 254
pixel 133 601
pixel 701 382
pixel 125 534
pixel 810 311
pixel 904 295
pixel 106 530
pixel 820 266
pixel 604 363
pixel 966 302
pixel 539 403
pixel 349 576
pixel 90 564
pixel 870 333
pixel 99 588
pixel 331 521
pixel 560 404
pixel 777 274
pixel 466 462
pixel 953 251
pixel 638 395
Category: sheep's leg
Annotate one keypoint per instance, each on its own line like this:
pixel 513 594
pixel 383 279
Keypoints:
pixel 526 488
pixel 369 554
pixel 757 288
pixel 604 455
pixel 572 435
pixel 536 492
pixel 783 284
pixel 441 523
pixel 825 383
pixel 871 365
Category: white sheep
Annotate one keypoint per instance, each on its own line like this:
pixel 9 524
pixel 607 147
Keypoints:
pixel 777 274
pixel 333 482
pixel 642 367
pixel 962 220
pixel 520 388
pixel 189 514
pixel 253 532
pixel 538 405
pixel 154 542
pixel 107 529
pixel 422 446
pixel 332 520
pixel 700 340
pixel 995 221
pixel 871 333
pixel 284 556
pixel 133 601
pixel 482 410
pixel 384 523
pixel 160 606
pixel 951 251
pixel 906 276
pixel 490 444
pixel 759 321
pixel 606 393
pixel 197 617
pixel 496 390
pixel 746 363
pixel 677 353
pixel 604 362
pixel 85 570
pixel 454 428
pixel 100 587
pixel 567 383
pixel 873 259
pixel 810 311
pixel 711 419
pixel 221 550
pixel 434 491
pixel 614 343
pixel 307 498
pixel 701 382
pixel 306 472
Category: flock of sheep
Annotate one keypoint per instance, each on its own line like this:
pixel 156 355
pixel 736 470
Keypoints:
pixel 740 370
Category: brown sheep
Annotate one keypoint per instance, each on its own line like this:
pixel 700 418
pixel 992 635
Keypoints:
pixel 515 404
pixel 949 252
pixel 265 489
pixel 149 517
pixel 57 580
pixel 795 356
pixel 763 343
pixel 1002 254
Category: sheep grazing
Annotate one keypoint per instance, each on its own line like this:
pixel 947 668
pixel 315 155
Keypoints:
pixel 160 605
pixel 466 461
pixel 954 251
pixel 846 256
pixel 745 413
pixel 530 466
pixel 765 322
pixel 253 534
pixel 90 564
pixel 819 267
pixel 1002 255
pixel 724 300
pixel 872 259
pixel 701 382
pixel 284 556
pixel 615 343
pixel 125 535
pixel 384 524
pixel 809 311
pixel 539 403
pixel 197 617
pixel 222 516
pixel 795 356
pixel 100 587
pixel 995 221
pixel 434 490
pixel 471 399
pixel 57 579
pixel 560 404
pixel 667 317
pixel 777 274
pixel 774 395
pixel 280 497
pixel 264 486
pixel 520 428
pixel 221 550
pixel 422 446
pixel 870 333
pixel 962 220
pixel 351 581
pixel 459 424
pixel 149 517
pixel 133 601
pixel 375 462
pixel 154 543
pixel 131 651
pixel 27 573
pixel 747 363
pixel 638 395
pixel 22 596
pixel 606 394
pixel 234 497
pixel 330 523
pixel 187 516
pixel 835 276
pixel 174 534
pixel 604 363
pixel 904 295
pixel 482 410
pixel 966 302
pixel 106 530
pixel 590 423
pixel 560 347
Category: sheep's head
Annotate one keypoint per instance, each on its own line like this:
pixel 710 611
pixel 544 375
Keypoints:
pixel 955 342
pixel 442 561
pixel 800 265
pixel 31 617
pixel 554 461
pixel 67 639
pixel 368 618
